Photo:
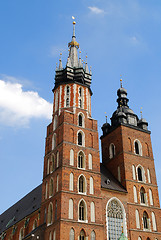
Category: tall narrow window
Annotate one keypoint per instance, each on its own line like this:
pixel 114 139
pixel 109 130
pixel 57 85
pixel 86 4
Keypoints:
pixel 57 183
pixel 154 221
pixel 137 219
pixel 82 187
pixel 111 150
pixel 93 235
pixel 70 208
pixel 82 211
pixel 56 101
pixel 80 120
pixel 142 195
pixel 71 236
pixel 92 212
pixel 148 173
pixel 115 219
pixel 137 147
pixel 54 235
pixel 72 157
pixel 150 197
pixel 140 174
pixel 139 238
pixel 21 234
pixel 56 210
pixel 82 235
pixel 91 186
pixel 68 91
pixel 80 98
pixel 80 138
pixel 57 159
pixel 54 141
pixel 67 102
pixel 51 185
pixel 145 220
pixel 90 161
pixel 81 160
pixel 50 236
pixel 46 190
pixel 80 92
pixel 53 162
pixel 50 213
pixel 135 194
pixel 48 166
pixel 55 122
pixel 34 224
pixel 71 182
pixel 133 172
pixel 67 97
pixel 119 173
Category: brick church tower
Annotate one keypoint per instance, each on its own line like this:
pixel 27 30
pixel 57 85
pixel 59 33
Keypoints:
pixel 71 189
pixel 127 153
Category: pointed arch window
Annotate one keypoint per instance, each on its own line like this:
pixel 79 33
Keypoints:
pixel 71 183
pixel 90 161
pixel 150 197
pixel 140 174
pixel 137 147
pixel 57 159
pixel 79 138
pixel 54 235
pixel 92 212
pixel 82 211
pixel 111 150
pixel 82 184
pixel 67 96
pixel 53 161
pixel 70 208
pixel 80 120
pixel 34 224
pixel 93 235
pixel 82 235
pixel 135 194
pixel 72 157
pixel 51 186
pixel 21 234
pixel 91 186
pixel 154 222
pixel 133 172
pixel 50 213
pixel 50 236
pixel 81 160
pixel 149 177
pixel 142 196
pixel 55 122
pixel 115 219
pixel 68 91
pixel 54 141
pixel 71 236
pixel 145 220
pixel 137 219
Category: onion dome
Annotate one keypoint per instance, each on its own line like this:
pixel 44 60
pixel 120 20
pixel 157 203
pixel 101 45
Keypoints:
pixel 142 123
pixel 105 128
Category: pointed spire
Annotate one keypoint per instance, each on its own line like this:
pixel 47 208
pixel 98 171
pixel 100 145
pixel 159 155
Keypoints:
pixel 68 62
pixel 86 66
pixel 90 70
pixel 60 62
pixel 56 66
pixel 80 60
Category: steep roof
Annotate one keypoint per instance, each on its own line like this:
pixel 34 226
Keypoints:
pixel 24 207
pixel 108 181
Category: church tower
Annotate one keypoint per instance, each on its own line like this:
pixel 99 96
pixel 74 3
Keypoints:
pixel 71 190
pixel 127 153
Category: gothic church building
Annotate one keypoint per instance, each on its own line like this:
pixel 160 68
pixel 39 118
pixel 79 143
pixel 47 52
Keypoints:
pixel 79 198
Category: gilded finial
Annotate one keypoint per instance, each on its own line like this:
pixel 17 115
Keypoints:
pixel 121 81
pixel 73 19
pixel 106 117
pixel 141 112
pixel 122 227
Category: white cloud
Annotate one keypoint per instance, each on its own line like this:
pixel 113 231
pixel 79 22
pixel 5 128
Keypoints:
pixel 18 107
pixel 96 10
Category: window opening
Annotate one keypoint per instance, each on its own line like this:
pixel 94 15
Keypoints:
pixel 145 220
pixel 80 138
pixel 140 177
pixel 80 120
pixel 81 211
pixel 142 195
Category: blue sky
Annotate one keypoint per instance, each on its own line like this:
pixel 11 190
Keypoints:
pixel 119 37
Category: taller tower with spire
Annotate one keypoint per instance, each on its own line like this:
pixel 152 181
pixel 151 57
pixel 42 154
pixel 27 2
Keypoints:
pixel 71 195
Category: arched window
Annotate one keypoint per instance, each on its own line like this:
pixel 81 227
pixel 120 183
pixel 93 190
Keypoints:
pixel 80 139
pixel 82 184
pixel 82 211
pixel 72 157
pixel 50 236
pixel 91 190
pixel 143 196
pixel 140 174
pixel 48 166
pixel 93 235
pixel 70 208
pixel 56 209
pixel 57 183
pixel 80 92
pixel 148 173
pixel 55 122
pixel 82 235
pixel 54 141
pixel 54 235
pixel 46 190
pixel 53 161
pixel 148 238
pixel 111 150
pixel 154 221
pixel 135 194
pixel 71 182
pixel 57 159
pixel 50 213
pixel 81 160
pixel 90 161
pixel 21 234
pixel 56 101
pixel 51 186
pixel 34 224
pixel 92 212
pixel 115 219
pixel 145 220
pixel 150 197
pixel 80 120
pixel 119 173
pixel 137 219
pixel 137 147
pixel 71 235
pixel 133 172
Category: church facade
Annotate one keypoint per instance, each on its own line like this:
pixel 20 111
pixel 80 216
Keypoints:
pixel 81 198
